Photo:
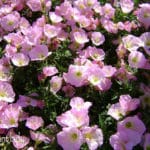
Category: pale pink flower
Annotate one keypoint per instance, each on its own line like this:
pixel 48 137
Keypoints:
pixel 73 118
pixel 10 116
pixel 80 37
pixel 108 71
pixel 70 138
pixel 55 18
pixel 34 122
pixel 145 37
pixel 147 141
pixel 34 5
pixel 132 43
pixel 5 74
pixel 33 35
pixel 83 21
pixel 6 92
pixel 20 142
pixel 132 124
pixel 108 11
pixel 49 71
pixel 55 84
pixel 143 14
pixel 10 21
pixel 93 137
pixel 39 137
pixel 90 3
pixel 39 52
pixel 3 105
pixel 126 5
pixel 78 103
pixel 97 38
pixel 10 50
pixel 69 90
pixel 124 140
pixel 128 104
pixel 20 59
pixel 76 75
pixel 51 31
pixel 116 111
pixel 137 59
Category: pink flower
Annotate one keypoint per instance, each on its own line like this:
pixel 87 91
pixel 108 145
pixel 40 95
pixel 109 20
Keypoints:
pixel 51 31
pixel 147 141
pixel 136 59
pixel 76 75
pixel 55 18
pixel 73 118
pixel 145 37
pixel 19 142
pixel 70 138
pixel 93 137
pixel 20 59
pixel 69 90
pixel 143 14
pixel 116 111
pixel 39 52
pixel 108 11
pixel 97 38
pixel 83 21
pixel 10 116
pixel 108 71
pixel 55 84
pixel 5 74
pixel 6 92
pixel 80 37
pixel 34 5
pixel 34 122
pixel 124 140
pixel 132 124
pixel 49 71
pixel 127 103
pixel 132 43
pixel 10 21
pixel 127 5
pixel 78 103
pixel 39 137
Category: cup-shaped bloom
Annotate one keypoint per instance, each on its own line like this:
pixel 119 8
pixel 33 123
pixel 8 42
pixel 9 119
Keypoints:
pixel 39 52
pixel 20 59
pixel 126 5
pixel 5 74
pixel 132 43
pixel 70 138
pixel 78 103
pixel 124 140
pixel 143 14
pixel 137 59
pixel 6 92
pixel 127 103
pixel 76 75
pixel 55 18
pixel 34 5
pixel 145 37
pixel 34 122
pixel 55 84
pixel 19 142
pixel 51 31
pixel 116 111
pixel 97 38
pixel 93 137
pixel 80 37
pixel 49 71
pixel 73 118
pixel 132 124
pixel 10 116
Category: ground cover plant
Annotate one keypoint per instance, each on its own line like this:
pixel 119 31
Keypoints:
pixel 74 74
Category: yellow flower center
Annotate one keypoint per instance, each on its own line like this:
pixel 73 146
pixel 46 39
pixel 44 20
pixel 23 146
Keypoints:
pixel 128 125
pixel 74 136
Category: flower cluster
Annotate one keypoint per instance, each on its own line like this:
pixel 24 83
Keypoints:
pixel 54 51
